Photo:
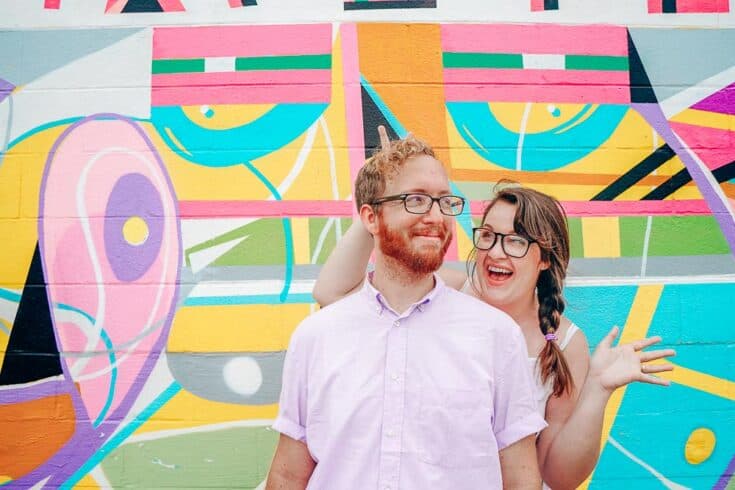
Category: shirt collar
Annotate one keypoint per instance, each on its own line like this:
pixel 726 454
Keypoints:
pixel 381 305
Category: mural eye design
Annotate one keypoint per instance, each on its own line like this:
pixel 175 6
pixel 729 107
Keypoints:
pixel 540 137
pixel 133 227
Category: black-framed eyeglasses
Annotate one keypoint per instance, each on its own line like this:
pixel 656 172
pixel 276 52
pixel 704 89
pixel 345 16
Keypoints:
pixel 513 245
pixel 420 203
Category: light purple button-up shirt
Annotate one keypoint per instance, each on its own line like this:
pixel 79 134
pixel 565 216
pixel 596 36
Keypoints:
pixel 419 400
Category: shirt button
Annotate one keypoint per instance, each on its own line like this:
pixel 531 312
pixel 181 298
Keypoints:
pixel 396 323
pixel 394 377
pixel 390 433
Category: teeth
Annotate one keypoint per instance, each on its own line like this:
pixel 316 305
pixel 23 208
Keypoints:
pixel 498 270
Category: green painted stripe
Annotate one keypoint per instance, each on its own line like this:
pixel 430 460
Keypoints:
pixel 195 65
pixel 482 60
pixel 300 62
pixel 602 63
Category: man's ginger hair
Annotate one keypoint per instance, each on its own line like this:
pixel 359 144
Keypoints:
pixel 384 165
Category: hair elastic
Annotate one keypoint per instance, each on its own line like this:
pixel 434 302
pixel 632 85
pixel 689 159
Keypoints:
pixel 550 337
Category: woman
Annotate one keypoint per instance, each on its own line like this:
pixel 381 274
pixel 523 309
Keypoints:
pixel 519 265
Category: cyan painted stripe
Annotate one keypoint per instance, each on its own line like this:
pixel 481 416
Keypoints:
pixel 389 116
pixel 262 299
pixel 600 63
pixel 123 434
pixel 9 295
pixel 113 378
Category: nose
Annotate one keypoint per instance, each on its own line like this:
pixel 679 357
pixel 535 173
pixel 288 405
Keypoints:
pixel 434 215
pixel 497 249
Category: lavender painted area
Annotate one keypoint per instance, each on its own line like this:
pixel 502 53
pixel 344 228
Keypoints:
pixel 726 476
pixel 722 101
pixel 5 89
pixel 133 196
pixel 714 199
pixel 51 387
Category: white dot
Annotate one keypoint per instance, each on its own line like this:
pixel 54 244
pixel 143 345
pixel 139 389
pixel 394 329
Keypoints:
pixel 242 375
pixel 204 109
pixel 551 108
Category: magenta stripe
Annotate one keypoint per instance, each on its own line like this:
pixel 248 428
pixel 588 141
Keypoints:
pixel 599 94
pixel 278 209
pixel 535 39
pixel 250 94
pixel 256 77
pixel 722 102
pixel 353 99
pixel 534 76
pixel 253 40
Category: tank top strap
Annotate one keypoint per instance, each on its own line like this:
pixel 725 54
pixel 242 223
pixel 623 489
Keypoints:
pixel 568 336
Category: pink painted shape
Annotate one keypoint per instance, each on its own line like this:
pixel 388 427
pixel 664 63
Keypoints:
pixel 655 6
pixel 294 79
pixel 115 6
pixel 715 147
pixel 171 5
pixel 581 94
pixel 279 209
pixel 253 40
pixel 252 94
pixel 52 4
pixel 702 6
pixel 353 100
pixel 537 5
pixel 71 277
pixel 531 76
pixel 535 39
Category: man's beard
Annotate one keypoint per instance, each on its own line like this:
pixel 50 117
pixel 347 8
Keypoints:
pixel 399 247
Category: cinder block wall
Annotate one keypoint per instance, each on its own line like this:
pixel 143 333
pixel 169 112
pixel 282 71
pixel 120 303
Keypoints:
pixel 173 173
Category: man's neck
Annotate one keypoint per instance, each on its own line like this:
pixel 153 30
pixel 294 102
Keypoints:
pixel 399 286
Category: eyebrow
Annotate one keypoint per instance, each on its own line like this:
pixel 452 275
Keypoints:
pixel 443 192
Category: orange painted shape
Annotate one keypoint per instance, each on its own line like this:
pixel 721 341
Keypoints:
pixel 33 431
pixel 403 64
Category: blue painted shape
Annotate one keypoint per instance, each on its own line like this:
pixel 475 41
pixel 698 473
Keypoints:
pixel 255 299
pixel 224 147
pixel 387 113
pixel 596 309
pixel 653 424
pixel 546 150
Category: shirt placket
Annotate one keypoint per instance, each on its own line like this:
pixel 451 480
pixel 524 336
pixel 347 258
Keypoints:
pixel 393 405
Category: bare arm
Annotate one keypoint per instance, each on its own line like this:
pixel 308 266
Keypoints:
pixel 519 466
pixel 345 268
pixel 292 466
pixel 570 446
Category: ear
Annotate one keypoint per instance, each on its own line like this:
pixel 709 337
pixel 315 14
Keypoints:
pixel 369 217
pixel 544 265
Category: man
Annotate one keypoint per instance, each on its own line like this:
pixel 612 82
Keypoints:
pixel 406 383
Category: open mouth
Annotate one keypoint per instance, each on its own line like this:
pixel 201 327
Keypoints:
pixel 498 274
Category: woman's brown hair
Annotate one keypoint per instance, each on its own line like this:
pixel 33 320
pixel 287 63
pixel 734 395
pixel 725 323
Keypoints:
pixel 541 218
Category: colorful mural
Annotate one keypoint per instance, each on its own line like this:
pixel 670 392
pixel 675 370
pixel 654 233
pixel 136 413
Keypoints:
pixel 170 191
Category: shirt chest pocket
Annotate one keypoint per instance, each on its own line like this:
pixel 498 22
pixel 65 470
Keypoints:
pixel 455 428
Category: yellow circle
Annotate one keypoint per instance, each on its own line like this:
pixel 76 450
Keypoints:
pixel 135 230
pixel 699 446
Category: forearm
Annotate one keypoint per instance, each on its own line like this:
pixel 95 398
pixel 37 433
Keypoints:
pixel 519 465
pixel 345 267
pixel 575 448
pixel 284 480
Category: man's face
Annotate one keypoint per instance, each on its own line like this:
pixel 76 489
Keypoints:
pixel 417 241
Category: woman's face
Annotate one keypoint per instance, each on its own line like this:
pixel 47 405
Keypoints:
pixel 504 281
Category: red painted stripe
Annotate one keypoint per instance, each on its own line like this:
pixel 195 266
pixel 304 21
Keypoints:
pixel 655 6
pixel 244 94
pixel 581 94
pixel 52 4
pixel 253 40
pixel 171 5
pixel 537 5
pixel 294 78
pixel 535 39
pixel 531 77
pixel 278 209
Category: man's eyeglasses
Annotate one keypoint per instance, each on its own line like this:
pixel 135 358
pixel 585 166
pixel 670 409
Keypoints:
pixel 419 203
pixel 512 245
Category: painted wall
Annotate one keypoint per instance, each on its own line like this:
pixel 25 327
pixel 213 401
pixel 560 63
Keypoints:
pixel 174 172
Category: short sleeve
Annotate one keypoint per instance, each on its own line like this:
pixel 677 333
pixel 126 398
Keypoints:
pixel 291 420
pixel 516 413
